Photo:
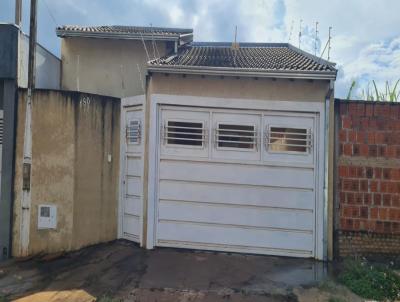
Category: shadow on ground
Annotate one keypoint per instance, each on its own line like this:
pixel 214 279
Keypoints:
pixel 122 270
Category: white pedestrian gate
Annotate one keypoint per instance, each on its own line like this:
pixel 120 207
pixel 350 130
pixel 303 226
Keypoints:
pixel 237 180
pixel 132 132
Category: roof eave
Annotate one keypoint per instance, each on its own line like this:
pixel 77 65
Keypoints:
pixel 288 74
pixel 122 36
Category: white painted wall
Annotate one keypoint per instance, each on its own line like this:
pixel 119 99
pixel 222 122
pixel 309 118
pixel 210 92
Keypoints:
pixel 48 66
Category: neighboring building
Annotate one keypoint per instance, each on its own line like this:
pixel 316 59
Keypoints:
pixel 13 74
pixel 229 151
pixel 111 60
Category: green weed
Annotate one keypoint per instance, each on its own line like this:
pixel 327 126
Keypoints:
pixel 370 281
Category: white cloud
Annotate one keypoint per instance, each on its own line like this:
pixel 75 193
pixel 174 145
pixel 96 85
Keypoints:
pixel 365 35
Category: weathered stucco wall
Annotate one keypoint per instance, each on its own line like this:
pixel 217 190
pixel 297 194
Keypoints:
pixel 72 136
pixel 107 66
pixel 244 88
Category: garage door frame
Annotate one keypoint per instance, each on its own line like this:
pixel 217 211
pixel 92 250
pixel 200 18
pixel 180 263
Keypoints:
pixel 156 100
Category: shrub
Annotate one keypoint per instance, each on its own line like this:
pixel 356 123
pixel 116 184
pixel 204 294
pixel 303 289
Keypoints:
pixel 370 281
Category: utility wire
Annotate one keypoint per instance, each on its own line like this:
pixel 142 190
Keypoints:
pixel 49 11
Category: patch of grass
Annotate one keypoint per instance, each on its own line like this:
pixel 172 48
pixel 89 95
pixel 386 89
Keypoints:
pixel 336 299
pixel 105 299
pixel 370 281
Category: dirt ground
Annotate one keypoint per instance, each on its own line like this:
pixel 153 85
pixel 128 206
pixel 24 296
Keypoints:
pixel 120 271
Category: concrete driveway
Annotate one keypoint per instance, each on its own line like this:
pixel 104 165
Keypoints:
pixel 122 271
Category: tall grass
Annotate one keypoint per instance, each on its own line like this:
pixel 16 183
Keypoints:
pixel 389 93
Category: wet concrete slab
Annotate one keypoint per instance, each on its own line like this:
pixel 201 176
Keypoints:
pixel 121 269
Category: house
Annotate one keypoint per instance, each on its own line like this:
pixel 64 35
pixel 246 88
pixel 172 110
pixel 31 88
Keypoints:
pixel 214 146
pixel 13 75
pixel 111 60
pixel 234 140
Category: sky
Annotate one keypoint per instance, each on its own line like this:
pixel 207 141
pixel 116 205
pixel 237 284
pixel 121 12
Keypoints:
pixel 365 41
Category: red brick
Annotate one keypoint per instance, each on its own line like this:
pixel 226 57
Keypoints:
pixel 395 174
pixel 364 185
pixel 360 137
pixel 353 171
pixel 371 138
pixel 384 187
pixel 373 151
pixel 396 200
pixel 343 171
pixel 369 172
pixel 343 108
pixel 350 198
pixel 356 150
pixel 368 199
pixel 356 224
pixel 369 110
pixel 377 173
pixel 348 149
pixel 374 213
pixel 352 136
pixel 364 212
pixel 346 122
pixel 391 152
pixel 381 151
pixel 359 198
pixel 346 184
pixel 386 173
pixel 364 150
pixel 377 201
pixel 342 197
pixel 394 214
pixel 383 213
pixel 343 135
pixel 379 138
pixel 374 186
pixel 364 123
pixel 387 198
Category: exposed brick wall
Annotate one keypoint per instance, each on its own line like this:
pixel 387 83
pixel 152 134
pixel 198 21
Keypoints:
pixel 368 174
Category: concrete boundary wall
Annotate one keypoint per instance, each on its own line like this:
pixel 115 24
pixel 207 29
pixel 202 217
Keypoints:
pixel 75 162
pixel 367 189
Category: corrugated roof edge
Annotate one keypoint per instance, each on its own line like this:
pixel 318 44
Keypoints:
pixel 252 72
pixel 177 33
pixel 311 56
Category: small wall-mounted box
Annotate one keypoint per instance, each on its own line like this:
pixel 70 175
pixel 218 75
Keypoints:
pixel 47 217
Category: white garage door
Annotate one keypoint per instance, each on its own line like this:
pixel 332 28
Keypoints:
pixel 132 167
pixel 238 181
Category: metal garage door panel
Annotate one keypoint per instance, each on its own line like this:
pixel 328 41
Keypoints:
pixel 226 201
pixel 234 194
pixel 246 216
pixel 233 236
pixel 256 175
